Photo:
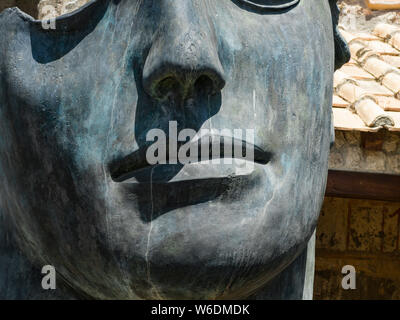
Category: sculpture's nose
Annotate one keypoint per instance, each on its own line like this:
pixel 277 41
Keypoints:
pixel 184 55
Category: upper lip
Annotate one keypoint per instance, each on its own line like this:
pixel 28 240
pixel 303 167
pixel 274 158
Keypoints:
pixel 124 168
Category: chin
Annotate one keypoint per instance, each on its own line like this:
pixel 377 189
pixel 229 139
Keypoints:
pixel 226 246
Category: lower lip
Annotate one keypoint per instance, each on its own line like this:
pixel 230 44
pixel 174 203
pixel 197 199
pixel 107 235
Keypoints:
pixel 162 189
pixel 214 169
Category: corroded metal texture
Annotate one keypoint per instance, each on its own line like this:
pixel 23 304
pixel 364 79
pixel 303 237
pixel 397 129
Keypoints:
pixel 77 101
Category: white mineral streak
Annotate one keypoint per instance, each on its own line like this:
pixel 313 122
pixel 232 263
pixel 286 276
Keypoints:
pixel 158 296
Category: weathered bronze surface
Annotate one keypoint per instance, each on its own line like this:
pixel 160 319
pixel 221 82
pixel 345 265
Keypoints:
pixel 77 102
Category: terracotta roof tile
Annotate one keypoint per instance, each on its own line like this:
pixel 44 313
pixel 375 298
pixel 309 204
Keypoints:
pixel 358 36
pixel 376 66
pixel 375 88
pixel 382 47
pixel 351 91
pixel 357 49
pixel 352 61
pixel 383 30
pixel 392 81
pixel 367 89
pixel 339 102
pixel 388 103
pixel 395 40
pixel 356 72
pixel 396 118
pixel 346 120
pixel 371 113
pixel 393 60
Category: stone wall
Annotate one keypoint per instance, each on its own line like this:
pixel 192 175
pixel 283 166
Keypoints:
pixel 366 235
pixel 366 152
pixel 361 233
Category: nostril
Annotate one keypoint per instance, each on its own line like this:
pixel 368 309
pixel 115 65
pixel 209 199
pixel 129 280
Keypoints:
pixel 205 85
pixel 176 88
pixel 166 87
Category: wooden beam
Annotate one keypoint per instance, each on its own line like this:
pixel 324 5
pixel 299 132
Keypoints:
pixel 373 140
pixel 383 4
pixel 363 185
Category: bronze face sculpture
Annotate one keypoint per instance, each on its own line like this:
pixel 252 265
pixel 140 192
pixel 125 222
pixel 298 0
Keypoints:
pixel 76 104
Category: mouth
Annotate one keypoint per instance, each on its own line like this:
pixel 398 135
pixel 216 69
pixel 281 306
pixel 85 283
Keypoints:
pixel 214 156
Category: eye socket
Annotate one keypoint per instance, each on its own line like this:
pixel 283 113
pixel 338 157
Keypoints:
pixel 271 4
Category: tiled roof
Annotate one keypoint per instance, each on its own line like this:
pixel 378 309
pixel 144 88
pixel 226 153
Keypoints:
pixel 367 89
